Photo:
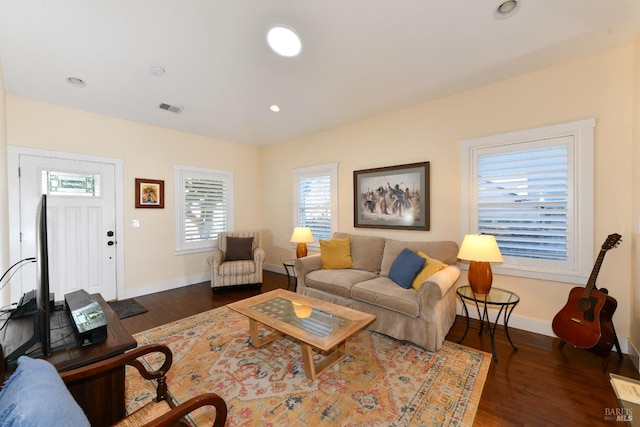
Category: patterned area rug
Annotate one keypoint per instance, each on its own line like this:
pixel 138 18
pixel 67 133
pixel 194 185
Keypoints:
pixel 379 382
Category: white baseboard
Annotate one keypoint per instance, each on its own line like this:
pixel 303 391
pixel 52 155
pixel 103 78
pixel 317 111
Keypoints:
pixel 544 328
pixel 274 268
pixel 164 286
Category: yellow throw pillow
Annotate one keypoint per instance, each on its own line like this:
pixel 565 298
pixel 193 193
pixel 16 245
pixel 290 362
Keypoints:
pixel 336 253
pixel 432 266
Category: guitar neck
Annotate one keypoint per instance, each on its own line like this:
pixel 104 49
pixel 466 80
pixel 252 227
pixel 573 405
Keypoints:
pixel 591 283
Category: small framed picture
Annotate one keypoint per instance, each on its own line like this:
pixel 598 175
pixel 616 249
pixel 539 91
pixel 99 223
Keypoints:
pixel 149 193
pixel 392 197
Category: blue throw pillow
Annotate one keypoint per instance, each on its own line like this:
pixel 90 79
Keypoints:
pixel 35 395
pixel 406 267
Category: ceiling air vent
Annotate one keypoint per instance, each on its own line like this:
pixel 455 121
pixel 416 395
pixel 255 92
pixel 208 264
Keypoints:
pixel 172 108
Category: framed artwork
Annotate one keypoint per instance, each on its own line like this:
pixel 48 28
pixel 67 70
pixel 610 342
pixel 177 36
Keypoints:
pixel 392 197
pixel 149 193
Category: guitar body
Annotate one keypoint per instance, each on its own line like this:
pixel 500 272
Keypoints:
pixel 586 321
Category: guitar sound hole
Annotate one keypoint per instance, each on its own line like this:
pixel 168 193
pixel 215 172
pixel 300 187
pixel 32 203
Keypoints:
pixel 586 305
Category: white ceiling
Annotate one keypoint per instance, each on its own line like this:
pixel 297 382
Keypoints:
pixel 360 57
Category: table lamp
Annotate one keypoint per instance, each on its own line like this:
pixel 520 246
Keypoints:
pixel 301 236
pixel 480 249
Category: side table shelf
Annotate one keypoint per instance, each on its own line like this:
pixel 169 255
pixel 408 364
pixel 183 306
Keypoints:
pixel 505 300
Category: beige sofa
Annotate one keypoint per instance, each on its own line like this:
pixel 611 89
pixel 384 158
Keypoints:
pixel 423 317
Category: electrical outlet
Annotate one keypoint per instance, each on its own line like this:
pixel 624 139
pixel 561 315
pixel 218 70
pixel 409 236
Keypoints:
pixel 281 259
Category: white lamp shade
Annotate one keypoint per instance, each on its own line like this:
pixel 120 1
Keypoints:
pixel 301 235
pixel 480 247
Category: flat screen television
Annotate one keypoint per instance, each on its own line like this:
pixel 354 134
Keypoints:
pixel 41 316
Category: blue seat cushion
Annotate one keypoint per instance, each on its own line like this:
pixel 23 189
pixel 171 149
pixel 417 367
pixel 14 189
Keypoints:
pixel 35 395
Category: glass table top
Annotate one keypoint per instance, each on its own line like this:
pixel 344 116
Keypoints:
pixel 495 296
pixel 302 316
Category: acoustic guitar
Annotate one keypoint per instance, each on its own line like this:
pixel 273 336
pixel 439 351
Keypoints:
pixel 585 320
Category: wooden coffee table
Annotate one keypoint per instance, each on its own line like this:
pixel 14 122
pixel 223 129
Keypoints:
pixel 312 322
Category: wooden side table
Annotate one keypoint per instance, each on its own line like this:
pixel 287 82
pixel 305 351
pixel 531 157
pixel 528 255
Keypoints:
pixel 505 300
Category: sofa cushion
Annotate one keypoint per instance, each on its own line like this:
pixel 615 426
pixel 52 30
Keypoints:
pixel 366 251
pixel 431 267
pixel 385 293
pixel 445 251
pixel 35 395
pixel 406 267
pixel 239 248
pixel 337 282
pixel 335 253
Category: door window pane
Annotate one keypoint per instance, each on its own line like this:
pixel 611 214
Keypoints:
pixel 57 183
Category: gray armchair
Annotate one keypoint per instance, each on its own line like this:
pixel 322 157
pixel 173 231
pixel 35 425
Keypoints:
pixel 237 261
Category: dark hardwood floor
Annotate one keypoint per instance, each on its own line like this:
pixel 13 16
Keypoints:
pixel 538 385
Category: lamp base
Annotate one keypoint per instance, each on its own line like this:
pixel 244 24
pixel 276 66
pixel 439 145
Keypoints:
pixel 301 250
pixel 480 277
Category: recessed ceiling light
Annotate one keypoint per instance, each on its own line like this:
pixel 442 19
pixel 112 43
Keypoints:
pixel 284 41
pixel 76 82
pixel 274 108
pixel 507 9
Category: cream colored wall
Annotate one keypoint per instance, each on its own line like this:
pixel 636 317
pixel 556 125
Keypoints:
pixel 148 152
pixel 635 280
pixel 4 209
pixel 598 86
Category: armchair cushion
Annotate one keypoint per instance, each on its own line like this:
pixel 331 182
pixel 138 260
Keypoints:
pixel 239 249
pixel 35 395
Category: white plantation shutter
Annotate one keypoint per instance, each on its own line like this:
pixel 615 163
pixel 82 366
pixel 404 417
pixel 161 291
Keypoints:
pixel 204 206
pixel 523 201
pixel 533 191
pixel 315 200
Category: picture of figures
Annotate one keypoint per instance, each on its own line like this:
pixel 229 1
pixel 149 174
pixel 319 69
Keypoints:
pixel 392 197
pixel 149 193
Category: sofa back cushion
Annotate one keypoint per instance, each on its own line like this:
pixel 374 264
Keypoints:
pixel 366 251
pixel 445 251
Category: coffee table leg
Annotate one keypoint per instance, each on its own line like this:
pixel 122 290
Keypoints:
pixel 311 369
pixel 256 341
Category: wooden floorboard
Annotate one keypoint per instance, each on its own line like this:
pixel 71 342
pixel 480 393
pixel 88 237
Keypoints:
pixel 538 385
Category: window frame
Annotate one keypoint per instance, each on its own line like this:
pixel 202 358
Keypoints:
pixel 580 214
pixel 327 169
pixel 181 173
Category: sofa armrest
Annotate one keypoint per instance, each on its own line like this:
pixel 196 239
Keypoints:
pixel 438 285
pixel 304 266
pixel 215 259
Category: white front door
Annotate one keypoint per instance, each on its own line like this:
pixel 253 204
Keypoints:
pixel 81 217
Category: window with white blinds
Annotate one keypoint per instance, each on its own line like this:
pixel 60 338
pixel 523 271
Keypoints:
pixel 204 207
pixel 315 200
pixel 523 198
pixel 533 190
